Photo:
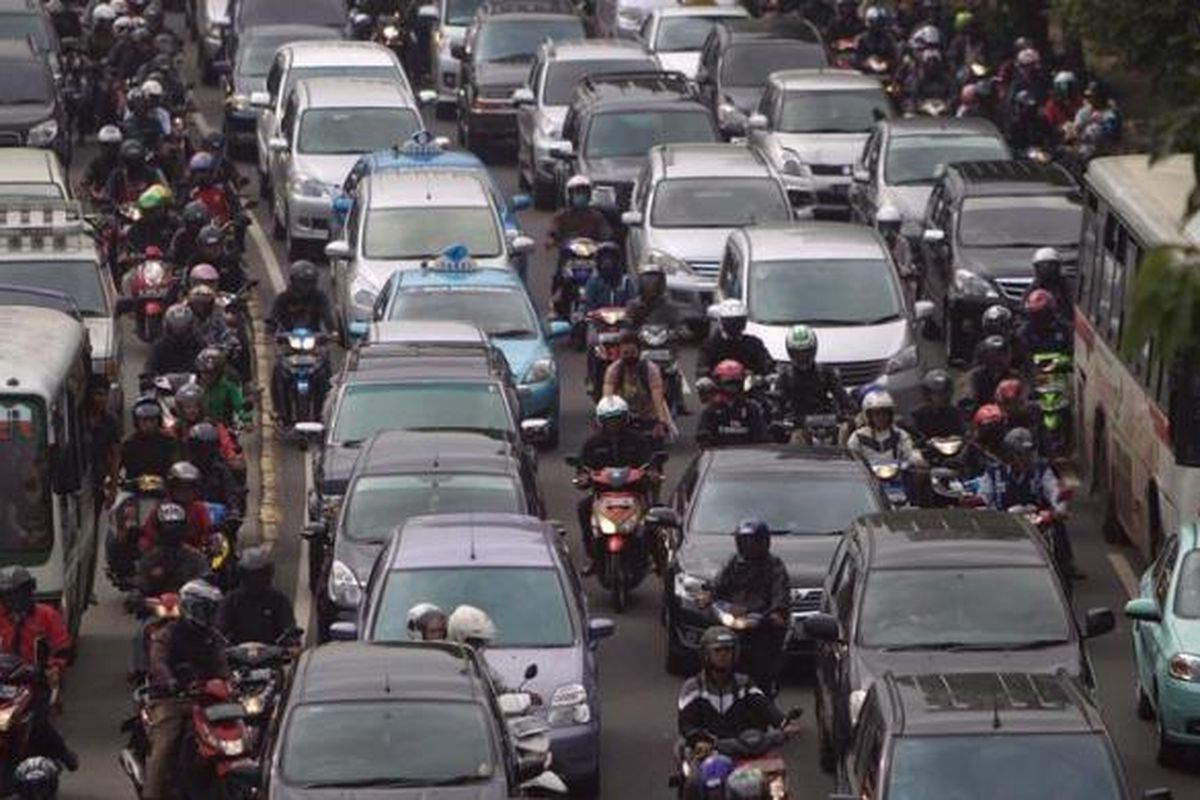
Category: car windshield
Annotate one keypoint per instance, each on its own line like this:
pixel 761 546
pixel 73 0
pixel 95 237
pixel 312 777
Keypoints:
pixel 19 26
pixel 254 54
pixel 618 134
pixel 823 292
pixel 24 81
pixel 1187 588
pixel 563 75
pixel 368 408
pixel 914 160
pixel 515 41
pixel 718 203
pixel 500 313
pixel 39 190
pixel 378 504
pixel 80 280
pixel 380 73
pixel 346 131
pixel 526 604
pixel 682 34
pixel 26 519
pixel 426 232
pixel 1020 222
pixel 387 743
pixel 995 607
pixel 460 12
pixel 790 504
pixel 1001 767
pixel 750 64
pixel 831 112
pixel 322 13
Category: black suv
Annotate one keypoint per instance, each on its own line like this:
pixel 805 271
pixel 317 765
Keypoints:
pixel 612 122
pixel 32 112
pixel 497 52
pixel 984 735
pixel 983 223
pixel 939 591
pixel 739 55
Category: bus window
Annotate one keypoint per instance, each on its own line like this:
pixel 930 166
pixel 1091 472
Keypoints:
pixel 1121 269
pixel 26 518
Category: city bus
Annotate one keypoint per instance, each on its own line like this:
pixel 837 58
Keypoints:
pixel 1137 418
pixel 47 522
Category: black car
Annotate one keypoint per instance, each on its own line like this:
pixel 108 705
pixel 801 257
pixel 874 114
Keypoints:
pixel 612 122
pixel 739 55
pixel 32 112
pixel 983 223
pixel 28 19
pixel 939 591
pixel 496 53
pixel 985 735
pixel 808 496
pixel 405 473
pixel 247 14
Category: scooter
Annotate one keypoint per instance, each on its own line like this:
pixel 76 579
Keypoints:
pixel 576 265
pixel 150 284
pixel 259 672
pixel 303 361
pixel 134 503
pixel 17 681
pixel 893 479
pixel 756 748
pixel 657 348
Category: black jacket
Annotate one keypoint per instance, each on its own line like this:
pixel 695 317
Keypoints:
pixel 165 569
pixel 757 586
pixel 148 455
pixel 740 422
pixel 170 354
pixel 218 485
pixel 629 448
pixel 724 712
pixel 639 312
pixel 747 350
pixel 249 616
pixel 930 421
pixel 182 653
pixel 813 391
pixel 291 310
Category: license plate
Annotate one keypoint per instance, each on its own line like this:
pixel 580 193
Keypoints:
pixel 658 355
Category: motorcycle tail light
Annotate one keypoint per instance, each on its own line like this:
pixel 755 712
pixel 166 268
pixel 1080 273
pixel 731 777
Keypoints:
pixel 615 544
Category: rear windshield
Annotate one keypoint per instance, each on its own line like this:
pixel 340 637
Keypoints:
pixel 25 81
pixel 632 133
pixel 516 41
pixel 79 280
pixel 368 408
pixel 751 64
pixel 26 521
pixel 786 504
pixel 460 12
pixel 563 75
pixel 324 13
pixel 379 504
pixel 19 26
pixel 387 73
pixel 1020 222
pixel 346 131
pixel 718 203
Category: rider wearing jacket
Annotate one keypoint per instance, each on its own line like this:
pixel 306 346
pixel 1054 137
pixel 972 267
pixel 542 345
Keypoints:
pixel 1047 274
pixel 301 305
pixel 183 488
pixel 1043 330
pixel 877 40
pixel 880 437
pixel 730 341
pixel 217 481
pixel 223 399
pixel 994 364
pixel 179 345
pixel 148 450
pixel 609 285
pixel 640 384
pixel 730 417
pixel 806 387
pixel 718 702
pixel 937 416
pixel 579 220
pixel 171 562
pixel 256 611
pixel 650 305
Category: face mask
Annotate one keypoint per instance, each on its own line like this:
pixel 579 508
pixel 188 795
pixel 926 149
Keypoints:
pixel 579 201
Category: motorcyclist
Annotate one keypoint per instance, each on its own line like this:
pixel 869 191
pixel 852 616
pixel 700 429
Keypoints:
pixel 730 341
pixel 100 38
pixel 183 489
pixel 1027 128
pixel 997 320
pixel 156 225
pixel 301 305
pixel 107 159
pixel 133 176
pixel 210 325
pixel 184 652
pixel 1043 330
pixel 879 436
pixel 806 387
pixel 993 364
pixel 177 348
pixel 969 44
pixel 218 484
pixel 148 449
pixel 1047 274
pixel 649 305
pixel 427 623
pixel 362 27
pixel 579 219
pixel 609 285
pixel 223 399
pixel 142 121
pixel 171 562
pixel 1064 101
pixel 640 384
pixel 1028 76
pixel 473 627
pixel 183 243
pixel 729 416
pixel 189 408
pixel 846 24
pixel 937 416
pixel 930 79
pixel 24 623
pixel 208 188
pixel 888 222
pixel 877 40
pixel 256 611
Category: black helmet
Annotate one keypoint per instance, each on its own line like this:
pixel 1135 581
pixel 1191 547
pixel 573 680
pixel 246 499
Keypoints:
pixel 36 778
pixel 210 236
pixel 204 433
pixel 997 319
pixel 146 408
pixel 17 587
pixel 178 320
pixel 189 394
pixel 199 601
pixel 195 214
pixel 937 383
pixel 752 526
pixel 255 559
pixel 993 347
pixel 211 359
pixel 1019 442
pixel 302 276
pixel 171 522
pixel 133 152
pixel 753 539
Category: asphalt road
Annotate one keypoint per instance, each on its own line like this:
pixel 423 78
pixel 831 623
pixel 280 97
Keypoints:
pixel 638 696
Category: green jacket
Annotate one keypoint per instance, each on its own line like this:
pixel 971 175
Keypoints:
pixel 225 403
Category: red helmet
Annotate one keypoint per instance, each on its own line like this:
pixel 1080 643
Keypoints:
pixel 729 373
pixel 1008 390
pixel 987 416
pixel 1040 302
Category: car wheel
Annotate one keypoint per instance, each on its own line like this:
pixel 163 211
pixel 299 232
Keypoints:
pixel 543 192
pixel 1145 710
pixel 1169 752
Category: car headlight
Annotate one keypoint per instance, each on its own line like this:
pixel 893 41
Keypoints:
pixel 541 370
pixel 669 263
pixel 1184 667
pixel 794 165
pixel 549 129
pixel 43 133
pixel 305 186
pixel 569 706
pixel 857 698
pixel 971 285
pixel 905 359
pixel 238 102
pixel 691 589
pixel 344 588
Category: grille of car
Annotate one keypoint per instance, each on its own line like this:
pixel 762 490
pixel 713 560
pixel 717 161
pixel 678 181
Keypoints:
pixel 806 601
pixel 10 139
pixel 830 169
pixel 859 373
pixel 1013 289
pixel 496 92
pixel 705 269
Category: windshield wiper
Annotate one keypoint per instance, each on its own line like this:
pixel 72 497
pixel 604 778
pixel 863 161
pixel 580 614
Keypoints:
pixel 922 646
pixel 881 320
pixel 510 333
pixel 351 443
pixel 1032 644
pixel 370 783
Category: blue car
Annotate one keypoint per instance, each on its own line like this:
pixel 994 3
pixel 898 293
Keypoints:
pixel 498 303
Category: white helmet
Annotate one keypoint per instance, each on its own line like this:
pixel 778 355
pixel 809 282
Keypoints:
pixel 121 7
pixel 122 25
pixel 926 37
pixel 103 13
pixel 1046 254
pixel 152 89
pixel 731 309
pixel 886 214
pixel 470 625
pixel 578 182
pixel 109 134
pixel 611 407
pixel 878 400
pixel 417 615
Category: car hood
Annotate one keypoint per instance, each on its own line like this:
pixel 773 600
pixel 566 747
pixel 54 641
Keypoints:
pixel 25 114
pixel 336 464
pixel 691 244
pixel 807 557
pixel 619 169
pixel 521 353
pixel 487 791
pixel 841 344
pixel 744 97
pixel 824 148
pixel 328 169
pixel 248 84
pixel 488 75
pixel 685 61
pixel 1004 262
pixel 869 664
pixel 100 336
pixel 909 200
pixel 556 666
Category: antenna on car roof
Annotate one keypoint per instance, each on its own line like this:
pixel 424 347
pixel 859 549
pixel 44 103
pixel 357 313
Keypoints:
pixel 472 553
pixel 995 711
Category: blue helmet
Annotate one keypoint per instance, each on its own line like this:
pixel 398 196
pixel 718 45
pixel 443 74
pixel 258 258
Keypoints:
pixel 714 770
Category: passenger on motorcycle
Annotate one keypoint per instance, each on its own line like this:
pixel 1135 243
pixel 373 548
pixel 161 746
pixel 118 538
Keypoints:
pixel 993 364
pixel 183 243
pixel 218 484
pixel 223 399
pixel 156 224
pixel 754 581
pixel 427 623
pixel 301 305
pixel 806 387
pixel 1064 101
pixel 579 220
pixel 184 652
pixel 877 40
pixel 106 161
pixel 649 305
pixel 1043 330
pixel 730 418
pixel 133 175
pixel 997 320
pixel 730 341
pixel 256 611
pixel 148 449
pixel 986 446
pixel 183 489
pixel 879 436
pixel 1047 274
pixel 937 416
pixel 1027 129
pixel 846 24
pixel 177 348
pixel 171 562
pixel 189 409
pixel 640 384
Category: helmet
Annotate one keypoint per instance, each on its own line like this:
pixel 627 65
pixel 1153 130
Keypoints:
pixel 993 346
pixel 801 344
pixel 963 19
pixel 652 279
pixel 195 214
pixel 611 409
pixel 183 472
pixel 36 778
pixel 579 183
pixel 171 522
pixel 1009 390
pixel 1064 80
pixel 997 319
pixel 1046 255
pixel 210 359
pixel 876 16
pixel 199 601
pixel 751 526
pixel 16 578
pixel 717 636
pixel 878 400
pixel 1028 57
pixel 731 314
pixel 210 236
pixel 1019 442
pixel 255 559
pixel 746 783
pixel 156 196
pixel 714 770
pixel 302 275
pixel 938 383
pixel 132 152
pixel 888 214
pixel 203 273
pixel 926 37
pixel 730 375
pixel 204 433
pixel 152 89
pixel 109 134
pixel 201 297
pixel 178 320
pixel 420 615
pixel 201 162
pixel 103 12
pixel 470 625
pixel 1040 303
pixel 190 394
pixel 988 415
pixel 146 408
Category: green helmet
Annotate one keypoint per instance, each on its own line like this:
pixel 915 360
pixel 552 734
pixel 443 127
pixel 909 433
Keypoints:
pixel 156 196
pixel 801 344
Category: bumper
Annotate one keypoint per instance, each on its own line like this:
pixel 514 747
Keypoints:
pixel 691 295
pixel 576 751
pixel 800 191
pixel 309 217
pixel 499 122
pixel 832 194
pixel 447 77
pixel 539 400
pixel 1179 708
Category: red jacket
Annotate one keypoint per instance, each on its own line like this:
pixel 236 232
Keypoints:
pixel 198 533
pixel 43 622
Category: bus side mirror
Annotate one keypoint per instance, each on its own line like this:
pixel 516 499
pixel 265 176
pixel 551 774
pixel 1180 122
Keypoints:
pixel 65 472
pixel 1184 414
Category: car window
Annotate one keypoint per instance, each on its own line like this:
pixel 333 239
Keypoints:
pixel 1162 579
pixel 617 134
pixel 844 588
pixel 750 64
pixel 427 231
pixel 322 13
pixel 918 159
pixel 377 72
pixel 849 111
pixel 501 313
pixel 1187 587
pixel 344 131
pixel 367 408
pixel 378 504
pixel 80 280
pixel 683 34
pixel 26 514
pixel 1020 222
pixel 516 41
pixel 562 76
pixel 460 12
pixel 25 81
pixel 790 506
pixel 836 292
pixel 718 203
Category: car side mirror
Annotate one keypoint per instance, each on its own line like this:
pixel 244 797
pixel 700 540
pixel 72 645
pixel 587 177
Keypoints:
pixel 535 430
pixel 757 122
pixel 459 51
pixel 558 328
pixel 662 517
pixel 933 236
pixel 428 13
pixel 343 631
pixel 562 150
pixel 427 97
pixel 521 244
pixel 260 100
pixel 822 628
pixel 1143 609
pixel 277 144
pixel 519 202
pixel 1098 621
pixel 600 628
pixel 631 218
pixel 317 531
pixel 859 174
pixel 923 309
pixel 523 96
pixel 338 248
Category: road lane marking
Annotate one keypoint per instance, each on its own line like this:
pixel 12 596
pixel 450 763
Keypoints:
pixel 302 603
pixel 267 254
pixel 1125 573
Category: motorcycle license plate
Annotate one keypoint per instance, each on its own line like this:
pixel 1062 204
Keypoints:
pixel 897 496
pixel 657 355
pixel 147 294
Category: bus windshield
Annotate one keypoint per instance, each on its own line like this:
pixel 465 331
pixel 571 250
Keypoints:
pixel 26 523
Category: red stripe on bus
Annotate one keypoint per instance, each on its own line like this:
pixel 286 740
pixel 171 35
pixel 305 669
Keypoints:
pixel 1162 427
pixel 1084 329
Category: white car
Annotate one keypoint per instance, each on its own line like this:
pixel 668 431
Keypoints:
pixel 677 33
pixel 450 20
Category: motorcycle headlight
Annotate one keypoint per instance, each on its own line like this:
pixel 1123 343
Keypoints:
pixel 253 705
pixel 539 371
pixel 238 102
pixel 794 165
pixel 344 588
pixel 549 129
pixel 306 186
pixel 43 133
pixel 691 589
pixel 885 472
pixel 1184 667
pixel 669 263
pixel 905 359
pixel 302 343
pixel 607 526
pixel 971 285
pixel 569 706
pixel 391 32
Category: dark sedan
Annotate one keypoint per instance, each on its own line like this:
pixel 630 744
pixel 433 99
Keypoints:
pixel 32 112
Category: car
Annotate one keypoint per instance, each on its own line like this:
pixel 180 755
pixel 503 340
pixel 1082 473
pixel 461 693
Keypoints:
pixel 244 15
pixel 986 734
pixel 359 715
pixel 496 53
pixel 687 200
pixel 812 125
pixel 1166 645
pixel 622 19
pixel 327 123
pixel 247 74
pixel 903 158
pixel 939 591
pixel 808 496
pixel 611 123
pixel 405 473
pixel 675 34
pixel 401 220
pixel 30 173
pixel 740 54
pixel 542 103
pixel 209 21
pixel 517 570
pixel 499 304
pixel 297 60
pixel 28 20
pixel 450 19
pixel 983 223
pixel 32 111
pixel 839 279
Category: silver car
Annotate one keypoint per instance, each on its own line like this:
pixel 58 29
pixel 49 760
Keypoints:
pixel 677 33
pixel 402 220
pixel 542 104
pixel 210 22
pixel 327 124
pixel 686 201
pixel 812 124
pixel 624 18
pixel 450 19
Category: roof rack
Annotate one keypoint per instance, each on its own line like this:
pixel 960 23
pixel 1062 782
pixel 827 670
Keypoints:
pixel 41 224
pixel 643 79
pixel 528 7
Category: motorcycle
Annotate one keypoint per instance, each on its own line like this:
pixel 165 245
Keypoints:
pixel 605 325
pixel 17 681
pixel 258 678
pixel 752 748
pixel 893 479
pixel 135 502
pixel 1052 393
pixel 150 284
pixel 303 362
pixel 657 348
pixel 576 265
pixel 154 613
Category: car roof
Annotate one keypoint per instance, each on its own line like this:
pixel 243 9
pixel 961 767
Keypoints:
pixel 945 126
pixel 774 26
pixel 425 332
pixel 556 7
pixel 473 540
pixel 343 92
pixel 338 53
pixel 508 16
pixel 789 458
pixel 288 32
pixel 988 703
pixel 454 367
pixel 710 159
pixel 397 157
pixel 702 11
pixel 54 336
pixel 393 451
pixel 808 240
pixel 1006 178
pixel 432 187
pixel 28 165
pixel 347 671
pixel 594 50
pixel 636 91
pixel 485 276
pixel 823 79
pixel 947 538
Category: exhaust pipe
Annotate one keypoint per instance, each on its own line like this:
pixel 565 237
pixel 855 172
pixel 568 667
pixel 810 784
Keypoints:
pixel 132 767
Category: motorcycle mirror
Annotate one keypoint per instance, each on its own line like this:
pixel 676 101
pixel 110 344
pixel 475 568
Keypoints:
pixel 315 530
pixel 662 517
pixel 821 627
pixel 1098 621
pixel 600 628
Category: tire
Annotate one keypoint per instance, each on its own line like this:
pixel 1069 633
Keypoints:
pixel 618 584
pixel 1145 709
pixel 825 752
pixel 543 193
